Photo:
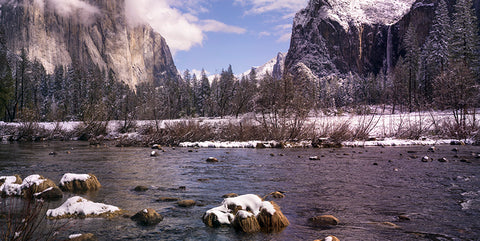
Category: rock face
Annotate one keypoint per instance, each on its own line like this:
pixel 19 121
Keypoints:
pixel 340 36
pixel 95 32
pixel 275 67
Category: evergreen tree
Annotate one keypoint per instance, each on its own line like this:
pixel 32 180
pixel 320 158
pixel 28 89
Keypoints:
pixel 465 43
pixel 434 57
pixel 411 64
pixel 203 94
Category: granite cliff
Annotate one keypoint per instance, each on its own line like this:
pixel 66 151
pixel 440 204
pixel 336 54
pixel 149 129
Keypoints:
pixel 79 33
pixel 336 37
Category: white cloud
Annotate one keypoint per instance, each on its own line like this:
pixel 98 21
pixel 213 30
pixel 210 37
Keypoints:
pixel 181 30
pixel 210 25
pixel 77 9
pixel 264 34
pixel 263 6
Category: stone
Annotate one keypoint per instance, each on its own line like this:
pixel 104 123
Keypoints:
pixel 83 237
pixel 228 195
pixel 426 159
pixel 50 194
pixel 212 159
pixel 328 238
pixel 324 220
pixel 403 218
pixel 140 188
pixel 278 194
pixel 443 159
pixel 147 217
pixel 260 145
pixel 80 186
pixel 314 158
pixel 186 203
pixel 168 199
pixel 432 149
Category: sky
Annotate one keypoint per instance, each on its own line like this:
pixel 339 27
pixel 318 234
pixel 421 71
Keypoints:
pixel 213 34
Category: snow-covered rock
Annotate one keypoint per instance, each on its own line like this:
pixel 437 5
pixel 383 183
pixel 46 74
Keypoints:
pixel 273 67
pixel 72 182
pixel 238 210
pixel 80 207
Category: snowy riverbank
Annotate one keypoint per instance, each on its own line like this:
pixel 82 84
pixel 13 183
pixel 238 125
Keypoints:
pixel 404 129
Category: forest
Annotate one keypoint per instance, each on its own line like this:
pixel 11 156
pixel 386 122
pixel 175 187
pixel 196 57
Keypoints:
pixel 439 73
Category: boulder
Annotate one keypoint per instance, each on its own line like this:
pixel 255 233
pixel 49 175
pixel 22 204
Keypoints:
pixel 443 159
pixel 230 195
pixel 168 199
pixel 39 186
pixel 457 143
pixel 82 237
pixel 147 217
pixel 78 207
pixel 10 179
pixel 426 159
pixel 324 220
pixel 50 194
pixel 246 222
pixel 140 188
pixel 269 222
pixel 329 238
pixel 432 149
pixel 186 203
pixel 241 211
pixel 212 159
pixel 79 183
pixel 260 145
pixel 153 154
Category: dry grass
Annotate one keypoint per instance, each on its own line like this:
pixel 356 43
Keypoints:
pixel 77 186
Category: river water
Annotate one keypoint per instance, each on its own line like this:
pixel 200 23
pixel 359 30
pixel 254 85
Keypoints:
pixel 362 187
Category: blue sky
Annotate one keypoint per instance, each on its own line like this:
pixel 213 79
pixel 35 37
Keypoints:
pixel 212 34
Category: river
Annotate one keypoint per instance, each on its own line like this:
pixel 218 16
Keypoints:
pixel 362 187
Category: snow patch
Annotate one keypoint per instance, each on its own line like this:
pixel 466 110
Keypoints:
pixel 251 202
pixel 79 206
pixel 69 177
pixel 10 188
pixel 72 236
pixel 360 12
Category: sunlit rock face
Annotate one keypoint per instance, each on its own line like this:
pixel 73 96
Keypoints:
pixel 82 33
pixel 362 37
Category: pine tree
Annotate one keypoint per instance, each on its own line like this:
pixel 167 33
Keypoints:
pixel 204 93
pixel 411 64
pixel 434 57
pixel 465 43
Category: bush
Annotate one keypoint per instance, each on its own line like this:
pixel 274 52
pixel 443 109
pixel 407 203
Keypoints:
pixel 26 220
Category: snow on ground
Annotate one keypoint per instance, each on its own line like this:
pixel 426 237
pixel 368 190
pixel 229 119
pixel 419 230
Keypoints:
pixel 387 129
pixel 80 206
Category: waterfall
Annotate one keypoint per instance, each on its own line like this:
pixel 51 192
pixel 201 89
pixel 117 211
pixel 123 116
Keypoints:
pixel 389 49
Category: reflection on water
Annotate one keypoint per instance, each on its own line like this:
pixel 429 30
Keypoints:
pixel 363 187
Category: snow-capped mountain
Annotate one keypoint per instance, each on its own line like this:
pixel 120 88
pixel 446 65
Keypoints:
pixel 364 36
pixel 274 67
